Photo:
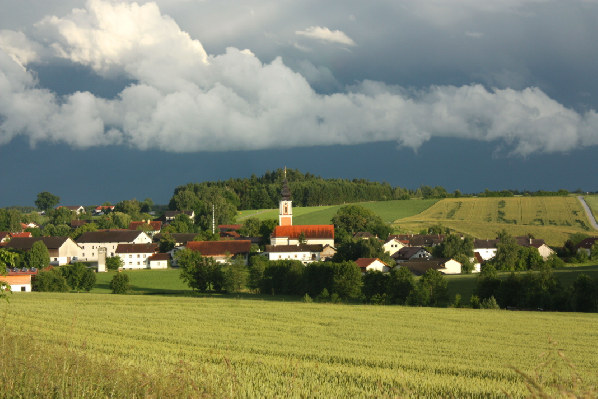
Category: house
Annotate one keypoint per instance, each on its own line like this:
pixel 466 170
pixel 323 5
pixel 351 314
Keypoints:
pixel 62 250
pixel 444 266
pixel 78 209
pixel 372 264
pixel 586 245
pixel 544 250
pixel 91 241
pixel 29 225
pixel 312 234
pixel 222 251
pixel 24 234
pixel 327 252
pixel 229 227
pixel 392 245
pixel 151 227
pixel 169 216
pixel 135 256
pixel 305 253
pixel 180 239
pixel 420 240
pixel 363 235
pixel 4 236
pixel 19 281
pixel 102 209
pixel 485 248
pixel 411 253
pixel 159 261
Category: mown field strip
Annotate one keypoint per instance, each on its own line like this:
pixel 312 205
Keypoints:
pixel 266 348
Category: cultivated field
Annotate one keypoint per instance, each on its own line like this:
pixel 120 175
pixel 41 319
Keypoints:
pixel 592 201
pixel 550 218
pixel 389 211
pixel 75 345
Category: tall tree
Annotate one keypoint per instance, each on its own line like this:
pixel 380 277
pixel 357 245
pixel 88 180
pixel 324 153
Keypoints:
pixel 38 256
pixel 46 201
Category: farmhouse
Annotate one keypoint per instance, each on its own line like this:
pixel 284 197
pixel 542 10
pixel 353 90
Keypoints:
pixel 419 240
pixel 159 261
pixel 90 242
pixel 135 256
pixel 169 216
pixel 485 248
pixel 444 266
pixel 151 227
pixel 544 250
pixel 18 281
pixel 62 250
pixel 411 253
pixel 222 251
pixel 586 245
pixel 306 253
pixel 372 264
pixel 392 245
pixel 78 209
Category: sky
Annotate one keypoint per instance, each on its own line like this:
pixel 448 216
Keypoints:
pixel 106 100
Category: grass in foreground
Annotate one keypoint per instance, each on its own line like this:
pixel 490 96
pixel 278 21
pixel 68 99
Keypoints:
pixel 550 218
pixel 100 345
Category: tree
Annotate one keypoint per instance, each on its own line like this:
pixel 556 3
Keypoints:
pixel 374 284
pixel 257 265
pixel 87 227
pixel 351 219
pixel 120 283
pixel 10 220
pixel 8 259
pixel 59 230
pixel 507 252
pixel 61 215
pixel 250 228
pixel 584 297
pixel 453 245
pixel 147 205
pixel 46 201
pixel 594 251
pixel 167 242
pixel 201 273
pixel 114 263
pixel 354 249
pixel 78 277
pixel 346 280
pixel 38 256
pixel 235 275
pixel 400 284
pixel 49 281
pixel 431 290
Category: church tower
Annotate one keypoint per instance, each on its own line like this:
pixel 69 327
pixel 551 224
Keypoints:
pixel 285 211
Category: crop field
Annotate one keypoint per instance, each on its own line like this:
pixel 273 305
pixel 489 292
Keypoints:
pixel 93 345
pixel 389 211
pixel 592 201
pixel 146 282
pixel 550 218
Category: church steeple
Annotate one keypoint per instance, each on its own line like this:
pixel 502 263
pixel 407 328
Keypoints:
pixel 285 211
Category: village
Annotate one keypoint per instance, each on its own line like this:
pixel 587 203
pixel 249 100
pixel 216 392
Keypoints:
pixel 141 246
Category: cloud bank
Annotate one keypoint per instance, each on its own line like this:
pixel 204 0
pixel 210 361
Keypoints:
pixel 327 35
pixel 185 99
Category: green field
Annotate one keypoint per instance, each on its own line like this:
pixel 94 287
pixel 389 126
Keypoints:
pixel 592 201
pixel 75 345
pixel 389 211
pixel 146 282
pixel 550 218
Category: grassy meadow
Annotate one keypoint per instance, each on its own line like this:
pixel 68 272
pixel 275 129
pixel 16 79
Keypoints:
pixel 550 218
pixel 592 201
pixel 92 345
pixel 389 211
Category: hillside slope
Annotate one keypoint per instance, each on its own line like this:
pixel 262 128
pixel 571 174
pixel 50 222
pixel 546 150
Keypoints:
pixel 550 218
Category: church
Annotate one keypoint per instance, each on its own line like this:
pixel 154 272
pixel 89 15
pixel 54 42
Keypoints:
pixel 312 242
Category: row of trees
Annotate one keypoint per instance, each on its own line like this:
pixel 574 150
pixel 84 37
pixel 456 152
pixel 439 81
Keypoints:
pixel 76 277
pixel 537 290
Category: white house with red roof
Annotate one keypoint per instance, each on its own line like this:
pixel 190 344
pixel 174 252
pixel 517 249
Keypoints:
pixel 135 256
pixel 18 281
pixel 372 264
pixel 392 245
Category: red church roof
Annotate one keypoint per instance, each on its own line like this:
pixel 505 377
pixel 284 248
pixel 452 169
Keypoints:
pixel 311 231
pixel 220 248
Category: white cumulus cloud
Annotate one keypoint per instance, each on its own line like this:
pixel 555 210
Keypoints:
pixel 184 99
pixel 327 35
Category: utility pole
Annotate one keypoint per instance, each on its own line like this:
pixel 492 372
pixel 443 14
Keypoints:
pixel 213 220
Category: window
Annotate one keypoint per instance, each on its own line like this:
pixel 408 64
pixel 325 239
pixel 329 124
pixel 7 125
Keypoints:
pixel 83 254
pixel 23 289
pixel 130 256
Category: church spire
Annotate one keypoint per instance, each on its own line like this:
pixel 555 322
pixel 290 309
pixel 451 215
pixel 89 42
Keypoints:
pixel 285 193
pixel 285 214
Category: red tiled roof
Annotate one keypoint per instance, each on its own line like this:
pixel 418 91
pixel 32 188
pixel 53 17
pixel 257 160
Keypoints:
pixel 295 248
pixel 21 235
pixel 136 248
pixel 160 256
pixel 16 279
pixel 155 225
pixel 220 248
pixel 102 207
pixel 311 231
pixel 228 227
pixel 365 262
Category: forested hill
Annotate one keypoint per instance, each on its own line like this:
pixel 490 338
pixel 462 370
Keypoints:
pixel 307 190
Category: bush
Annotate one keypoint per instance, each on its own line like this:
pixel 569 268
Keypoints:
pixel 307 298
pixel 120 283
pixel 489 303
pixel 114 263
pixel 49 281
pixel 474 302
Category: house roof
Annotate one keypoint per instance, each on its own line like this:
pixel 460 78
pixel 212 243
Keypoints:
pixel 178 237
pixel 229 234
pixel 484 243
pixel 420 240
pixel 530 242
pixel 363 234
pixel 160 256
pixel 365 262
pixel 78 223
pixel 71 207
pixel 295 248
pixel 229 227
pixel 220 248
pixel 102 207
pixel 421 266
pixel 16 279
pixel 25 234
pixel 478 257
pixel 407 252
pixel 136 248
pixel 587 243
pixel 154 225
pixel 109 236
pixel 25 243
pixel 311 231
